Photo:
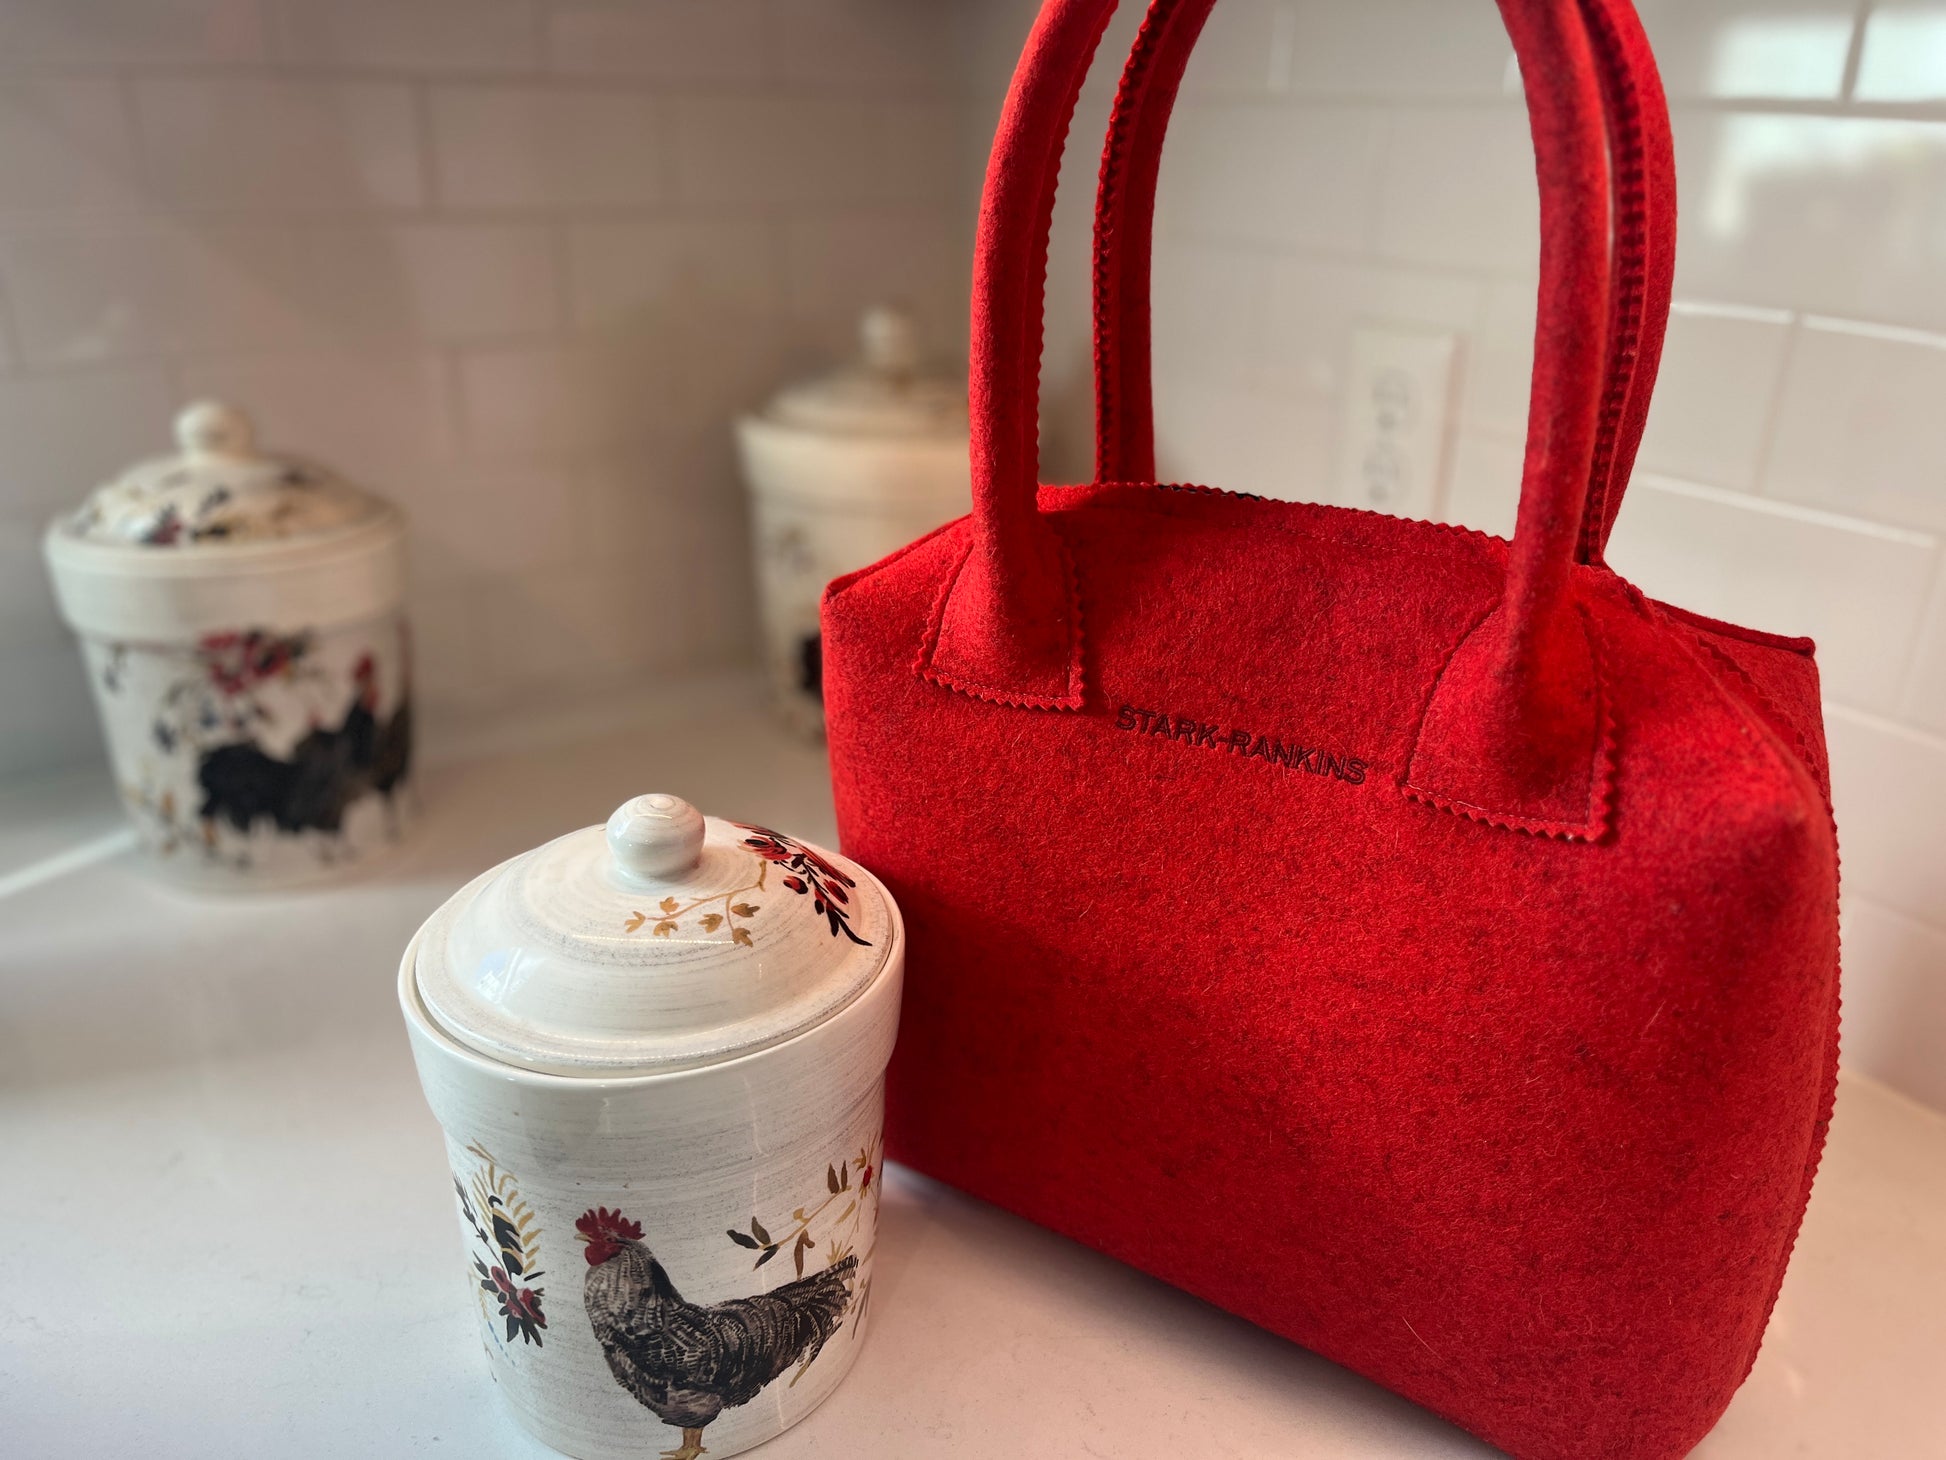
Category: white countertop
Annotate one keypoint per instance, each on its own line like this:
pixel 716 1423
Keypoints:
pixel 226 1225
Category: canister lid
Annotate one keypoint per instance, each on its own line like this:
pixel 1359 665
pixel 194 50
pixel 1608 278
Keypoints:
pixel 887 393
pixel 219 490
pixel 662 941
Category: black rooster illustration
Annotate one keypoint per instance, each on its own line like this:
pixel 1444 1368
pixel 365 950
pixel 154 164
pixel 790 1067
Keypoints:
pixel 325 772
pixel 685 1362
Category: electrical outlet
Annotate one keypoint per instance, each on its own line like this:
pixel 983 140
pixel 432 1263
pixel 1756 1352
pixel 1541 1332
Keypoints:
pixel 1398 401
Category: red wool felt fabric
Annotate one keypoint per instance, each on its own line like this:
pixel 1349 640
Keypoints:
pixel 1420 944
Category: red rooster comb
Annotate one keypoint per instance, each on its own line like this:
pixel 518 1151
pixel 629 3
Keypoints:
pixel 605 1232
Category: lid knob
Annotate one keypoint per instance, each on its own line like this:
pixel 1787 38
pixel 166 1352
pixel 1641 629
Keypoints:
pixel 210 428
pixel 655 838
pixel 889 338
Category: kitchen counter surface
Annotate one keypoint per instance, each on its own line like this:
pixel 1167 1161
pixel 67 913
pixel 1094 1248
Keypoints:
pixel 226 1227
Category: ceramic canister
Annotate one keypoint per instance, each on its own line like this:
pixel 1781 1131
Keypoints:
pixel 842 471
pixel 241 620
pixel 657 1050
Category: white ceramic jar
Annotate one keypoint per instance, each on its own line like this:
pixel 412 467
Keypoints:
pixel 841 472
pixel 657 1050
pixel 241 619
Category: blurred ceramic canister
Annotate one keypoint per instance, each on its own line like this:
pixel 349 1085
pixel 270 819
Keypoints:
pixel 240 617
pixel 843 470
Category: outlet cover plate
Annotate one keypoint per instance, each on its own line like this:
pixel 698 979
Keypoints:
pixel 1398 407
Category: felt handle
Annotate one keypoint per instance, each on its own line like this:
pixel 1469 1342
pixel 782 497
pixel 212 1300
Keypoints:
pixel 1512 734
pixel 1642 159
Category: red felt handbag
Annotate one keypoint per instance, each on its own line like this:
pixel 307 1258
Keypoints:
pixel 1421 944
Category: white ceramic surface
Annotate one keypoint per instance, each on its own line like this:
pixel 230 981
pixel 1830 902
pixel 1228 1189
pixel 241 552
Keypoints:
pixel 665 1125
pixel 841 472
pixel 240 618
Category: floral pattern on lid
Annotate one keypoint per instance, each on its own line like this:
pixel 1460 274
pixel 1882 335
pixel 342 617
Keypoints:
pixel 219 490
pixel 661 941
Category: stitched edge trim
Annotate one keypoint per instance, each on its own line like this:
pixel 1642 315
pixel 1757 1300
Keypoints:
pixel 936 624
pixel 1763 639
pixel 1665 616
pixel 1629 172
pixel 1110 203
pixel 1601 770
pixel 1281 507
pixel 1800 746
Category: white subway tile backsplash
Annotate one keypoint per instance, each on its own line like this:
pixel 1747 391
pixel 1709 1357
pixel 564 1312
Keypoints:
pixel 1785 49
pixel 738 375
pixel 1304 177
pixel 27 613
pixel 1884 779
pixel 1398 48
pixel 556 627
pixel 856 43
pixel 1208 318
pixel 608 625
pixel 636 497
pixel 1833 215
pixel 381 417
pixel 63 435
pixel 1903 57
pixel 1460 191
pixel 65 144
pixel 837 266
pixel 539 147
pixel 418 35
pixel 1483 489
pixel 1241 442
pixel 687 41
pixel 1500 369
pixel 47 717
pixel 987 37
pixel 1717 388
pixel 1245 50
pixel 1925 694
pixel 478 519
pixel 449 635
pixel 440 244
pixel 565 401
pixel 445 282
pixel 1859 427
pixel 1895 995
pixel 108 32
pixel 811 148
pixel 1315 306
pixel 1856 588
pixel 114 291
pixel 251 142
pixel 520 400
pixel 701 278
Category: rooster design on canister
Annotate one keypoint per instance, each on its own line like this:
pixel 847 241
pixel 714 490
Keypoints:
pixel 687 1362
pixel 329 769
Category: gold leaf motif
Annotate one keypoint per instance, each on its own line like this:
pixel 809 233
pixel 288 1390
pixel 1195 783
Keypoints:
pixel 723 913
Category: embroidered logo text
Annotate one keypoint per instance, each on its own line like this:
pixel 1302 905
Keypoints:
pixel 1189 731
